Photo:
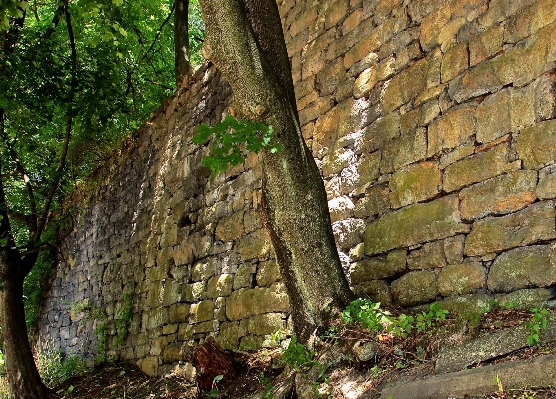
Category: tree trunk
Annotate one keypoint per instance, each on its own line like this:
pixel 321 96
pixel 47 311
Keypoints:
pixel 24 378
pixel 244 38
pixel 25 381
pixel 182 66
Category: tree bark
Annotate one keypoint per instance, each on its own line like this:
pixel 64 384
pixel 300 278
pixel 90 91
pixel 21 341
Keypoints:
pixel 181 41
pixel 24 378
pixel 244 38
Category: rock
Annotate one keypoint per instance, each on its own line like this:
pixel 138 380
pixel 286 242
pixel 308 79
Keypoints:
pixel 413 225
pixel 415 288
pixel 523 267
pixel 365 350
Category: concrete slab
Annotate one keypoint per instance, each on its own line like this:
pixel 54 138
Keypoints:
pixel 490 346
pixel 521 374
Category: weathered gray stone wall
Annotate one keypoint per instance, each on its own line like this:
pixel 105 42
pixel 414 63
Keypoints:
pixel 433 122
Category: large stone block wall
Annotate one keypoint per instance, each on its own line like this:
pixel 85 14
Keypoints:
pixel 433 123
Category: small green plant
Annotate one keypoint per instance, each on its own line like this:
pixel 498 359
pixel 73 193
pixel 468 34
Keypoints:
pixel 55 367
pixel 401 326
pixel 268 388
pixel 372 317
pixel 298 356
pixel 537 325
pixel 429 319
pixel 214 392
pixel 233 139
pixel 369 314
pixel 123 319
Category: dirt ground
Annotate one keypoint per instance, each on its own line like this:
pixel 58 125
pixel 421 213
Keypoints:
pixel 262 372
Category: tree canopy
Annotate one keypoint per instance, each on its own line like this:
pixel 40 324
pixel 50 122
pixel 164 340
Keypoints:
pixel 75 79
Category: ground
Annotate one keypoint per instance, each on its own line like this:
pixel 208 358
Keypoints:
pixel 260 373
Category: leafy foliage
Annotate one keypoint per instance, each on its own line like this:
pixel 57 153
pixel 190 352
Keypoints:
pixel 298 356
pixel 232 140
pixel 537 325
pixel 377 320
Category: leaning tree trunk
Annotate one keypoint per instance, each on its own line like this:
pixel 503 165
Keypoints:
pixel 245 40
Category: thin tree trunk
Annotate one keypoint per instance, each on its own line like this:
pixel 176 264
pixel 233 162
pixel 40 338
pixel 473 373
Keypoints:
pixel 181 41
pixel 246 42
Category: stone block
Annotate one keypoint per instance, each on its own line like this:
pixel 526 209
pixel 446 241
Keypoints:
pixel 414 224
pixel 367 170
pixel 430 255
pixel 530 20
pixel 203 271
pixel 230 228
pixel 494 116
pixel 443 24
pixel 254 245
pixel 486 44
pixel 418 117
pixel 331 77
pixel 179 312
pixel 268 273
pixel 536 145
pixel 414 183
pixel 419 9
pixel 365 82
pixel 375 290
pixel 411 82
pixel 526 299
pixel 533 266
pixel 376 202
pixel 340 208
pixel 348 232
pixel 403 151
pixel 379 267
pixel 500 195
pixel 228 336
pixel 518 65
pixel 250 302
pixel 195 292
pixel 529 226
pixel 172 292
pixel 465 278
pixel 220 286
pixel 415 288
pixel 149 366
pixel 370 43
pixel 336 161
pixel 266 323
pixel 477 168
pixel 546 188
pixel 336 13
pixel 242 278
pixel 454 62
pixel 378 133
pixel 452 129
pixel 201 311
pixel 303 21
pixel 172 353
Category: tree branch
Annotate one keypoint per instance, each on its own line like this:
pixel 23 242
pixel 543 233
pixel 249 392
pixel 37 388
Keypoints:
pixel 69 121
pixel 159 31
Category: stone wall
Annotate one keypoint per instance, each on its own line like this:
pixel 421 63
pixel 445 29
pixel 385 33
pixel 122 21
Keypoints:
pixel 433 122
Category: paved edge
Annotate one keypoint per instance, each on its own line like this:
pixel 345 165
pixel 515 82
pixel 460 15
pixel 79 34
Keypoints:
pixel 537 372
